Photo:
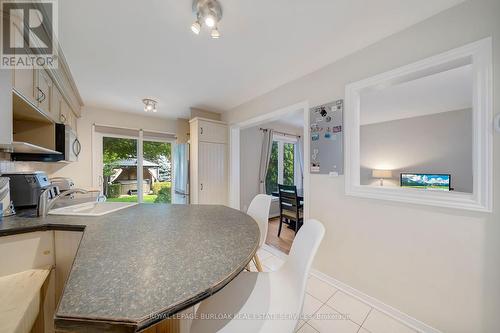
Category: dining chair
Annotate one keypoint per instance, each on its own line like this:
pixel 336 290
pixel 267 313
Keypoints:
pixel 291 209
pixel 259 211
pixel 268 302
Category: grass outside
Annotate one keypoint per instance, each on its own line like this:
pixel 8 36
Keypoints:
pixel 161 194
pixel 148 198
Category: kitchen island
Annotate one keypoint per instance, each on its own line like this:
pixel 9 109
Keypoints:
pixel 141 265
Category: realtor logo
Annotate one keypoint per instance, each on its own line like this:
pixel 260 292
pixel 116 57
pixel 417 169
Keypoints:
pixel 28 38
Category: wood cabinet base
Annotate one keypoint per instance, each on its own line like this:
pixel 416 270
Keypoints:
pixel 166 326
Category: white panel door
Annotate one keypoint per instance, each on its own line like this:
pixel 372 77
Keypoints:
pixel 212 166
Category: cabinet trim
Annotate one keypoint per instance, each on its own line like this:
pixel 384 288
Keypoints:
pixel 207 120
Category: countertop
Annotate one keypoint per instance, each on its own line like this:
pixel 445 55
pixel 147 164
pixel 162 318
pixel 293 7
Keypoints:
pixel 142 264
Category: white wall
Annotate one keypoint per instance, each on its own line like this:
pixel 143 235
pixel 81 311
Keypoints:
pixel 440 266
pixel 250 150
pixel 437 143
pixel 81 171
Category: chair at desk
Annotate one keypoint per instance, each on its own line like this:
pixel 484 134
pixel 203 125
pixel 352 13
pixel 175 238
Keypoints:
pixel 291 209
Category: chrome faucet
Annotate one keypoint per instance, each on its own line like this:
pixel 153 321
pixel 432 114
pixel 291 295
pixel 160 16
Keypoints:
pixel 50 196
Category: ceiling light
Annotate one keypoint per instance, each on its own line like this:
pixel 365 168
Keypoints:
pixel 196 27
pixel 210 21
pixel 150 105
pixel 210 13
pixel 215 33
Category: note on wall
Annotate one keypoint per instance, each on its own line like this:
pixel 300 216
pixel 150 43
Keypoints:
pixel 327 138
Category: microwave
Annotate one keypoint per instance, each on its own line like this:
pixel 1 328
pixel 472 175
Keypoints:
pixel 67 144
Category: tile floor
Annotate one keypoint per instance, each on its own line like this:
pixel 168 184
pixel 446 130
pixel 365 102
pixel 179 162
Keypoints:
pixel 345 313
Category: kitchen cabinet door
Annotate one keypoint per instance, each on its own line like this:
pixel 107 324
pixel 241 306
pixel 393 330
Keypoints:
pixel 5 107
pixel 66 245
pixel 23 82
pixel 212 132
pixel 67 117
pixel 56 100
pixel 212 166
pixel 43 91
pixel 65 113
pixel 72 121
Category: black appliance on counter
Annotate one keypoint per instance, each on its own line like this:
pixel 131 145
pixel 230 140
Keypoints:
pixel 26 187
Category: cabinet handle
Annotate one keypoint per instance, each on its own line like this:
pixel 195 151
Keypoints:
pixel 201 130
pixel 201 187
pixel 39 97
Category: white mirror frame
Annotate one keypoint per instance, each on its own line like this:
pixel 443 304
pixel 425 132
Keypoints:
pixel 480 54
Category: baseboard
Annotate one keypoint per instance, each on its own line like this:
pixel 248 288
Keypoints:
pixel 375 303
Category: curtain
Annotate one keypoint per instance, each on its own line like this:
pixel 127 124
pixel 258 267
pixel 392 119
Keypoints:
pixel 265 155
pixel 300 153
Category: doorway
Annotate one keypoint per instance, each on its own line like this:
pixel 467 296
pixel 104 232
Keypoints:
pixel 287 164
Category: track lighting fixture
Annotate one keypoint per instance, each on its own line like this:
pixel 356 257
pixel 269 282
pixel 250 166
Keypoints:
pixel 209 13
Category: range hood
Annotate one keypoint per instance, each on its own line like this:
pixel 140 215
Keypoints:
pixel 28 148
pixel 34 131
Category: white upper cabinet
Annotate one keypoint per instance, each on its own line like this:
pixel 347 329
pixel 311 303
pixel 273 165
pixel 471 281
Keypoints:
pixel 212 131
pixel 43 91
pixel 24 83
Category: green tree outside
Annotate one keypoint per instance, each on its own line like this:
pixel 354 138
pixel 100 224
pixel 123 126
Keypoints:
pixel 288 164
pixel 288 167
pixel 115 149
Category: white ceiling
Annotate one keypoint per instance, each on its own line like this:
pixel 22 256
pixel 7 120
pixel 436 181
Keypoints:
pixel 441 92
pixel 121 51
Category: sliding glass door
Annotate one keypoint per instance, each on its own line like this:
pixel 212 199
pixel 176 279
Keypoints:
pixel 119 168
pixel 133 165
pixel 157 174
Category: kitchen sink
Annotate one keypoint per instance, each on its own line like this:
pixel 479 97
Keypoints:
pixel 92 208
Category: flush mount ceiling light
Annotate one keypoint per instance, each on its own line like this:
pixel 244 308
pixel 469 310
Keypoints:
pixel 150 105
pixel 209 13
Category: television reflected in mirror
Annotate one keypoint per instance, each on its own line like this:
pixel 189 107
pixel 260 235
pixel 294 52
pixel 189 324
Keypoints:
pixel 426 181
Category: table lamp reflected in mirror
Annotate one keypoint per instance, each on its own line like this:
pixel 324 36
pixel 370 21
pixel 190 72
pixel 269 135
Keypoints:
pixel 381 175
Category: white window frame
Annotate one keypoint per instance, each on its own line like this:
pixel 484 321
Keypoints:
pixel 480 54
pixel 282 139
pixel 97 163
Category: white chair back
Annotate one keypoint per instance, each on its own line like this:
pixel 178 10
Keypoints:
pixel 259 211
pixel 304 248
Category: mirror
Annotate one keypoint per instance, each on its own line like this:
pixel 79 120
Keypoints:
pixel 418 133
pixel 422 133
